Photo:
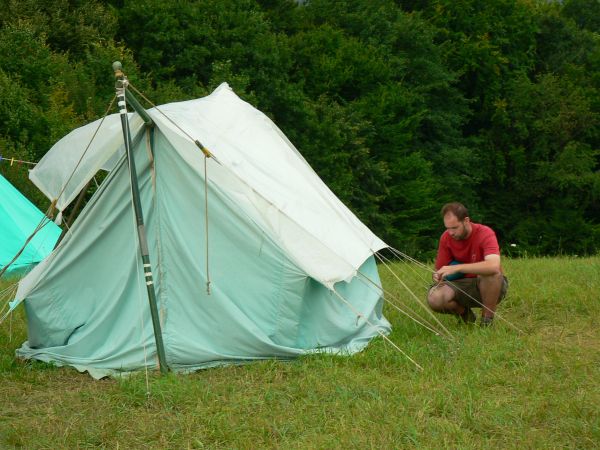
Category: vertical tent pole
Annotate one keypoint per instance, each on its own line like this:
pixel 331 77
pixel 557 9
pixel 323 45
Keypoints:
pixel 121 88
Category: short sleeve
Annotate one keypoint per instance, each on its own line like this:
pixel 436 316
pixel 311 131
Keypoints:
pixel 489 243
pixel 443 255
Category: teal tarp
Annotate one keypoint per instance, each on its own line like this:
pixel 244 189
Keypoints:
pixel 18 220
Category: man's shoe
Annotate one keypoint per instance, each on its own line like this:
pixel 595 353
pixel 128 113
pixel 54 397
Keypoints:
pixel 468 316
pixel 486 322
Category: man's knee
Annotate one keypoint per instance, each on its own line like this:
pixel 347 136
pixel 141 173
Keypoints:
pixel 496 278
pixel 493 286
pixel 436 299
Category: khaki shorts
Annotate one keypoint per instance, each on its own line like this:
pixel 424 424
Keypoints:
pixel 467 293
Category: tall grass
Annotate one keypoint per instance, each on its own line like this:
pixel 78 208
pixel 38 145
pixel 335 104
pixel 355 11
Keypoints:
pixel 489 388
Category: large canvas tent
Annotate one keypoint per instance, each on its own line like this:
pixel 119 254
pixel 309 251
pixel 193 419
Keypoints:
pixel 257 259
pixel 19 218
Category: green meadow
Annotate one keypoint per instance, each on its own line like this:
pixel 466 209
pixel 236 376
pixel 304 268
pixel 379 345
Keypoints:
pixel 530 381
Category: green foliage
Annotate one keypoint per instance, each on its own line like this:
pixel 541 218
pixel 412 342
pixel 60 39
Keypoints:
pixel 584 13
pixel 544 139
pixel 51 80
pixel 182 40
pixel 531 74
pixel 28 102
pixel 69 26
pixel 399 106
pixel 485 43
pixel 383 65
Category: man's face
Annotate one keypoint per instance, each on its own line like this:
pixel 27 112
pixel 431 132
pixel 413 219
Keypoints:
pixel 457 229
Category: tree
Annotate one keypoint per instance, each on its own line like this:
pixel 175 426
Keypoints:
pixel 548 178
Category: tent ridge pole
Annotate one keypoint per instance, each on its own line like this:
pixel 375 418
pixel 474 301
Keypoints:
pixel 121 88
pixel 136 105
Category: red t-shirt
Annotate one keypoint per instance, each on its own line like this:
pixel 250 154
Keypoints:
pixel 475 248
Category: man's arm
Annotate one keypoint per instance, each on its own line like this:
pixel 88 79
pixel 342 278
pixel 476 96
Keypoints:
pixel 444 256
pixel 489 266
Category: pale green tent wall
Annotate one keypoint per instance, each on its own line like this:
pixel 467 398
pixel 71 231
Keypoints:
pixel 89 308
pixel 18 220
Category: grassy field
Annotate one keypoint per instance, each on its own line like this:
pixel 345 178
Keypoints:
pixel 489 388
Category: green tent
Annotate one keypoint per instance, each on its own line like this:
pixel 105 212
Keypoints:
pixel 268 264
pixel 18 220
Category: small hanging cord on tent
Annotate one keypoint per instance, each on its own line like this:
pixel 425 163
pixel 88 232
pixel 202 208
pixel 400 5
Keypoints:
pixel 413 295
pixel 18 161
pixel 207 154
pixel 420 320
pixel 496 314
pixel 415 313
pixel 149 150
pixel 206 222
pixel 381 333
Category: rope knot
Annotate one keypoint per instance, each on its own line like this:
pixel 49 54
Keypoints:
pixel 206 152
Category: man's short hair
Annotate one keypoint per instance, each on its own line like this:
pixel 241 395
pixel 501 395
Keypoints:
pixel 458 209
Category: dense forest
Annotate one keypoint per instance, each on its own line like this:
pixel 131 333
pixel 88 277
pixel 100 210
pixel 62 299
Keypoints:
pixel 399 105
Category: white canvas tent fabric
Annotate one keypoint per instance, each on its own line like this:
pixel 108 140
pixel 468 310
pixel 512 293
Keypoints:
pixel 280 243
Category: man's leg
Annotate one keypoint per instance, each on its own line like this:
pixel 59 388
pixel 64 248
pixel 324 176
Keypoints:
pixel 490 288
pixel 441 298
pixel 456 297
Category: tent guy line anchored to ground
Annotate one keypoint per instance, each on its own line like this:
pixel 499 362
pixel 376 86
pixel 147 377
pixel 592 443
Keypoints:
pixel 381 333
pixel 387 295
pixel 381 258
pixel 496 314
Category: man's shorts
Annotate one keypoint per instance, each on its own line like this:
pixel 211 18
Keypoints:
pixel 467 293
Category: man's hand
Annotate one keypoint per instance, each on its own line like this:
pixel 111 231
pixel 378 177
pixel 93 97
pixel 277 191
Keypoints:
pixel 445 271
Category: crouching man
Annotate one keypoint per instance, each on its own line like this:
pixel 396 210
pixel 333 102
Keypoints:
pixel 468 270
